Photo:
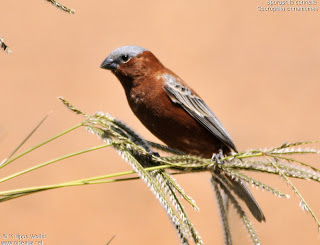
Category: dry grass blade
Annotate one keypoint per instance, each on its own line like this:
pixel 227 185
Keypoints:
pixel 172 182
pixel 110 240
pixel 4 46
pixel 289 159
pixel 288 145
pixel 62 7
pixel 170 185
pixel 249 180
pixel 164 148
pixel 24 141
pixel 39 145
pixel 304 205
pixel 226 189
pixel 133 135
pixel 158 188
pixel 223 213
pixel 266 167
pixel 71 107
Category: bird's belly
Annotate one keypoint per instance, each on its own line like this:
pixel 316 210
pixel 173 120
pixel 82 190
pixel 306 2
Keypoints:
pixel 175 127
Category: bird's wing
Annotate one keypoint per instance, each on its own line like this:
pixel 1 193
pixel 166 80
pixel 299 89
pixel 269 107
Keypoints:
pixel 197 108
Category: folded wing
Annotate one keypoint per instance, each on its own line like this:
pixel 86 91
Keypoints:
pixel 197 108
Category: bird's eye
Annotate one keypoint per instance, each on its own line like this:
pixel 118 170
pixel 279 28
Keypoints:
pixel 125 58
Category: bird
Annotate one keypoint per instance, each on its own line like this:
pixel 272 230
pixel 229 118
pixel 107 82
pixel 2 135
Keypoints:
pixel 171 110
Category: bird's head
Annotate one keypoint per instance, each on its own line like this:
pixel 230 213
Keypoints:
pixel 130 62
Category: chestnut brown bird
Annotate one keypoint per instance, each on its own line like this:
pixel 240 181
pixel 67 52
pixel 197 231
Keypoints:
pixel 173 111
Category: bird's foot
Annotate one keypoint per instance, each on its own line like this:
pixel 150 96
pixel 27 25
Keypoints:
pixel 217 157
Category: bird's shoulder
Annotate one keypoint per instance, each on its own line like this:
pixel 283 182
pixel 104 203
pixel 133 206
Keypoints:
pixel 168 77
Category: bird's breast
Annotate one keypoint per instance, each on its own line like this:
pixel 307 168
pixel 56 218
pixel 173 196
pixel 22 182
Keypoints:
pixel 137 99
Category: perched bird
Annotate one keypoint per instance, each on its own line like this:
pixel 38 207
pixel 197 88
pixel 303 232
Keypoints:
pixel 173 111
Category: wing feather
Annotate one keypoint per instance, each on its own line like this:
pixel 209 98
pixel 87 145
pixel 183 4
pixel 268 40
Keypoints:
pixel 197 108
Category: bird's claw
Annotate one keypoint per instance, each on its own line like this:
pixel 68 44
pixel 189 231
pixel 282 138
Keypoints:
pixel 217 157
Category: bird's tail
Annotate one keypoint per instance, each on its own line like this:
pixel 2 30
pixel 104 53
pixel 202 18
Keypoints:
pixel 242 191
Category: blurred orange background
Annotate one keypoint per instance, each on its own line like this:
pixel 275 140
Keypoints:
pixel 259 72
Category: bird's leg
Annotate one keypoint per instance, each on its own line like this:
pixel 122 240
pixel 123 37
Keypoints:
pixel 217 157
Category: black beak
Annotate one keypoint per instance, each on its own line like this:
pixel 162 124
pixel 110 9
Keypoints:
pixel 109 64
